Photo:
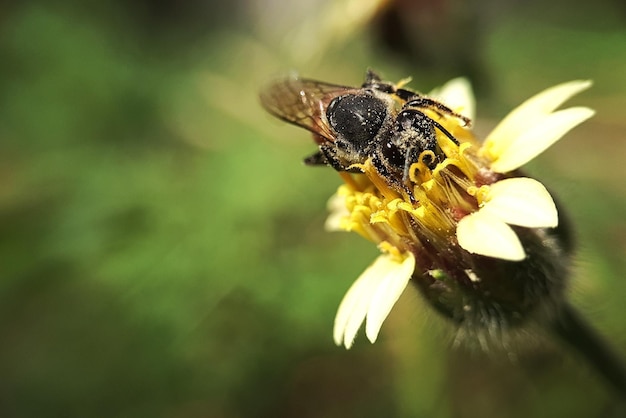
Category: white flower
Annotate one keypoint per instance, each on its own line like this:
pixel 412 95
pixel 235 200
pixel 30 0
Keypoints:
pixel 521 136
pixel 371 297
pixel 338 212
pixel 533 126
pixel 516 201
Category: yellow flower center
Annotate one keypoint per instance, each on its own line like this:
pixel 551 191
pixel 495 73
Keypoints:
pixel 433 202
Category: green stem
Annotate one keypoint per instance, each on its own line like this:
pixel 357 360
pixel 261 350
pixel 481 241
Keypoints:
pixel 574 330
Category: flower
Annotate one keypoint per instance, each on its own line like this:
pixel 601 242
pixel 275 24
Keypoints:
pixel 373 295
pixel 514 201
pixel 532 127
pixel 481 241
pixel 521 136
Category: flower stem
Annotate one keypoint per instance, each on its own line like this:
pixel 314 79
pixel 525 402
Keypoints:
pixel 571 328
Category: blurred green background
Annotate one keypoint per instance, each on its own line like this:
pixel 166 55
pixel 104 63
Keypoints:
pixel 162 251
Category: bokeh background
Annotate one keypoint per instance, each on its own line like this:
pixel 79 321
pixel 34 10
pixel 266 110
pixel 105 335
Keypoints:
pixel 162 251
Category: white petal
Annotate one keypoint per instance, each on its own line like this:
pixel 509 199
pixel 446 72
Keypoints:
pixel 457 94
pixel 536 138
pixel 527 114
pixel 337 207
pixel 481 233
pixel 522 201
pixel 353 308
pixel 387 294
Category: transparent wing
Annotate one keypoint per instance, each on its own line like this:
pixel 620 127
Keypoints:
pixel 302 102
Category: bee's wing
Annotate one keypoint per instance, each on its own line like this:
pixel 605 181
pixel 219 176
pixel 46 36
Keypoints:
pixel 302 102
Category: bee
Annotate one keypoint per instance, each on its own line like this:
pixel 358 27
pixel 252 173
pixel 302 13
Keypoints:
pixel 378 121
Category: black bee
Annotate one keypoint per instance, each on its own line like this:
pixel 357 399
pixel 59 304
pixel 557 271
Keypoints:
pixel 350 124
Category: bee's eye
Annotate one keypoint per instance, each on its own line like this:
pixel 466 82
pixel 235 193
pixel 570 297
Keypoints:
pixel 357 118
pixel 392 153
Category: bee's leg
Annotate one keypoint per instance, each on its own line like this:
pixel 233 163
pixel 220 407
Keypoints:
pixel 371 79
pixel 427 103
pixel 391 178
pixel 411 156
pixel 320 158
pixel 316 159
pixel 327 155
